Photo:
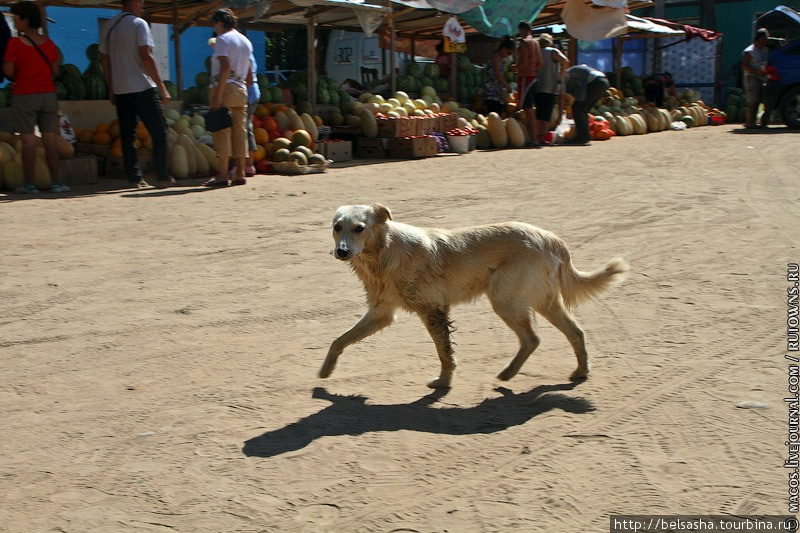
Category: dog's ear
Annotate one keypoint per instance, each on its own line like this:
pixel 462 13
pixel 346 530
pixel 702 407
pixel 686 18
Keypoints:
pixel 382 213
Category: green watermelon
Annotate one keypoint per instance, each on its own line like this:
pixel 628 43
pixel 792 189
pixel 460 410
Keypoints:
pixel 61 91
pixel 323 97
pixel 95 68
pixel 412 69
pixel 76 90
pixel 202 79
pixel 69 70
pixel 431 71
pixel 266 94
pixel 172 89
pixel 93 52
pixel 276 94
pixel 95 88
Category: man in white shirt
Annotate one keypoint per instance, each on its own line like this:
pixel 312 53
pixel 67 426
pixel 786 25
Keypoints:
pixel 136 88
pixel 754 67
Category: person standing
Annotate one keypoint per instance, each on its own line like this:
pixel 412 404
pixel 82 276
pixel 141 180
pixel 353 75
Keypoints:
pixel 496 86
pixel 529 60
pixel 754 68
pixel 586 85
pixel 548 85
pixel 136 89
pixel 231 73
pixel 30 60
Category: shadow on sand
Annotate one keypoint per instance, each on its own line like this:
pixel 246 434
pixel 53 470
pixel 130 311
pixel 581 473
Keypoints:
pixel 351 415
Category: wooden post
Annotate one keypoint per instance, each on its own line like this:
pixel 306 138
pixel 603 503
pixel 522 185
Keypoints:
pixel 312 62
pixel 393 57
pixel 176 36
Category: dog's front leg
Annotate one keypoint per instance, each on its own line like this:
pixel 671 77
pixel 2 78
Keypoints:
pixel 374 320
pixel 438 323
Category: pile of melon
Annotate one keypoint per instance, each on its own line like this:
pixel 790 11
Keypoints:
pixel 284 135
pixel 12 174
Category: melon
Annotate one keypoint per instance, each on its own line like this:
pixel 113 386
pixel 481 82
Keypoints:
pixel 41 174
pixel 282 120
pixel 301 138
pixel 310 126
pixel 178 164
pixel 282 142
pixel 13 175
pixel 688 120
pixel 203 168
pixel 317 159
pixel 298 157
pixel 369 127
pixel 197 131
pixel 188 148
pixel 7 153
pixel 210 156
pixel 64 148
pixel 516 137
pixel 281 154
pixel 497 130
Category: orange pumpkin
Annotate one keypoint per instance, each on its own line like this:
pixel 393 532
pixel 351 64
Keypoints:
pixel 261 135
pixel 102 137
pixel 85 136
pixel 258 154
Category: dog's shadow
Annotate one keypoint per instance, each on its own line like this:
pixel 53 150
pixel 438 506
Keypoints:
pixel 351 415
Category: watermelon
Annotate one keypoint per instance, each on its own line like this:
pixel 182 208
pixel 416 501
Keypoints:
pixel 69 70
pixel 431 71
pixel 202 79
pixel 172 89
pixel 95 68
pixel 76 90
pixel 95 88
pixel 412 69
pixel 93 52
pixel 276 94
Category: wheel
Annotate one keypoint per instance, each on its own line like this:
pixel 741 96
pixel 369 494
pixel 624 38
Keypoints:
pixel 790 108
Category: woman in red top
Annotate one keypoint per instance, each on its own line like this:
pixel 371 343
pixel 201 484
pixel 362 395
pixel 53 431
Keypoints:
pixel 30 60
pixel 529 59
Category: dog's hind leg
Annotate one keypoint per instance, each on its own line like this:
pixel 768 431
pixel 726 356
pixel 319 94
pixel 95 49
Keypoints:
pixel 437 321
pixel 560 317
pixel 518 317
pixel 374 320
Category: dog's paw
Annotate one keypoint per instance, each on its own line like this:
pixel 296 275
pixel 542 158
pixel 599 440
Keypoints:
pixel 506 374
pixel 439 383
pixel 579 374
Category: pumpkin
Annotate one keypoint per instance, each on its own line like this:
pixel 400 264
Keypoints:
pixel 261 135
pixel 102 137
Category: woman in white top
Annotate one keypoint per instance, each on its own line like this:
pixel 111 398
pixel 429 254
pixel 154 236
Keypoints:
pixel 231 73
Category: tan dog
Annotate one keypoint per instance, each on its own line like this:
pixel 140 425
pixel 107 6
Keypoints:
pixel 519 267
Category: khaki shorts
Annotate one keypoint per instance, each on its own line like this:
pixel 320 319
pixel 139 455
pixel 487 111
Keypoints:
pixel 232 142
pixel 753 89
pixel 28 110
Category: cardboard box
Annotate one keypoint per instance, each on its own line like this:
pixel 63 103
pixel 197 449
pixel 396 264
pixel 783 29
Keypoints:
pixel 395 127
pixel 372 148
pixel 413 148
pixel 81 170
pixel 337 151
pixel 448 122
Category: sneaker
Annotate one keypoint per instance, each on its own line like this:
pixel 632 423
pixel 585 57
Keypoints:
pixel 57 187
pixel 250 171
pixel 163 184
pixel 28 188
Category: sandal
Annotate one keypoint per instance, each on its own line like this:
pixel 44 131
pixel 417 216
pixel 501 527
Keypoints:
pixel 238 181
pixel 216 183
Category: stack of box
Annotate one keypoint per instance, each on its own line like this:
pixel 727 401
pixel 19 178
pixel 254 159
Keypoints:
pixel 336 150
pixel 413 147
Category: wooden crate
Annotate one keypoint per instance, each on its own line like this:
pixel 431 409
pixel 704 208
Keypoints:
pixel 413 148
pixel 372 148
pixel 82 169
pixel 337 151
pixel 395 127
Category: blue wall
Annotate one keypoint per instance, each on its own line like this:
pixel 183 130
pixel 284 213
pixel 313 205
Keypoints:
pixel 76 28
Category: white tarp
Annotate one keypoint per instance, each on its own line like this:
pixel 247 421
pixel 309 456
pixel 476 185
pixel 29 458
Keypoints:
pixel 445 6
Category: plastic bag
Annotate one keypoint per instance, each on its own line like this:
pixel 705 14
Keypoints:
pixel 564 127
pixel 65 128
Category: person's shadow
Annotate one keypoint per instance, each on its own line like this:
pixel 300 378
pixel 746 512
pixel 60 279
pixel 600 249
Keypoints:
pixel 351 415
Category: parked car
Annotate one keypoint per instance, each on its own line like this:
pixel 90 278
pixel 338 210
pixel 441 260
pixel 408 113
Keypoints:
pixel 783 71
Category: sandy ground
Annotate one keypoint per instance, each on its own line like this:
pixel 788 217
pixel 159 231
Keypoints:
pixel 159 350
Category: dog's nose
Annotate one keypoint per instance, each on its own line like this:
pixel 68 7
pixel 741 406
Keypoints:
pixel 342 253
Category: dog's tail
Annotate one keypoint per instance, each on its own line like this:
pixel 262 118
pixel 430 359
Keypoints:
pixel 578 287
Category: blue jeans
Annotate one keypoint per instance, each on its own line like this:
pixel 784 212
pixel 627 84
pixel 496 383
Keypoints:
pixel 132 107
